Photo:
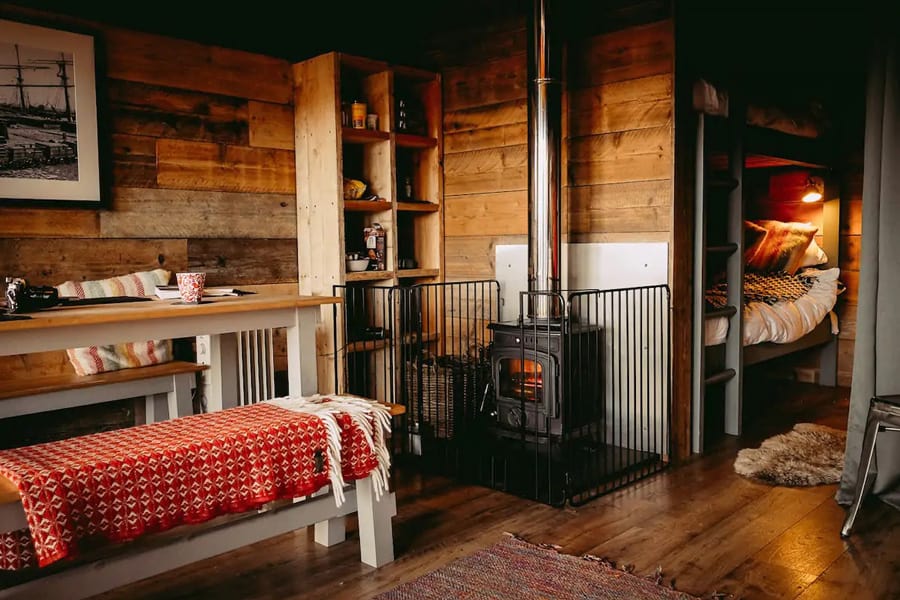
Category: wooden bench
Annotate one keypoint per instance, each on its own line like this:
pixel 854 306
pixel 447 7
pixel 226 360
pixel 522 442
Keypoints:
pixel 137 562
pixel 166 389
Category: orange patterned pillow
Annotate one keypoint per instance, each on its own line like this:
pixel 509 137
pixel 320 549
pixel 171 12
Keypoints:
pixel 783 246
pixel 753 239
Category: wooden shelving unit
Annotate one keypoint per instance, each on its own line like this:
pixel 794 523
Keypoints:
pixel 404 152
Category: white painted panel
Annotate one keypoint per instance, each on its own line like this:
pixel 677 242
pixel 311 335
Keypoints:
pixel 602 266
pixel 611 266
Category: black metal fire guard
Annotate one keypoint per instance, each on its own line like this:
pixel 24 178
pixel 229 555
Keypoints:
pixel 559 410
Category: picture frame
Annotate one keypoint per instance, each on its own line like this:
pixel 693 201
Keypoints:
pixel 50 117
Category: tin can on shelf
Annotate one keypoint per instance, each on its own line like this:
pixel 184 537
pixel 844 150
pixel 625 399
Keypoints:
pixel 375 239
pixel 358 115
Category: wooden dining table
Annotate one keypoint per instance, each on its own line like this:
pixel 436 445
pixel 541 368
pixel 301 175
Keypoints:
pixel 218 318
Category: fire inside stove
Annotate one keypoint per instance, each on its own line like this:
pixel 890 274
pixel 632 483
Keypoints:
pixel 522 379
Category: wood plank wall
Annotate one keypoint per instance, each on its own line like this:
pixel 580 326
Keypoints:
pixel 203 176
pixel 619 145
pixel 851 241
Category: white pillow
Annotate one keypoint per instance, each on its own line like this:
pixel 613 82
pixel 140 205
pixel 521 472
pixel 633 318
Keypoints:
pixel 813 256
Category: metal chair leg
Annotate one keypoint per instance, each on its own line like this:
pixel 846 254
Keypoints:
pixel 864 473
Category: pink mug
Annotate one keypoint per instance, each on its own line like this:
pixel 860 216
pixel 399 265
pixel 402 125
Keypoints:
pixel 190 286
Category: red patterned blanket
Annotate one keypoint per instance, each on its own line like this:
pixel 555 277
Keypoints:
pixel 117 485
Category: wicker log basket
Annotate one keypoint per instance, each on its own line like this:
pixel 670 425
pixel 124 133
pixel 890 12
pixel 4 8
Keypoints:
pixel 450 391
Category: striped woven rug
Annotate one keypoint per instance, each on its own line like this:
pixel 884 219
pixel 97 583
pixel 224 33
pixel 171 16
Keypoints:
pixel 516 570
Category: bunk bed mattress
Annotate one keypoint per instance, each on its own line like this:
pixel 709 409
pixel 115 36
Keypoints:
pixel 784 322
pixel 117 485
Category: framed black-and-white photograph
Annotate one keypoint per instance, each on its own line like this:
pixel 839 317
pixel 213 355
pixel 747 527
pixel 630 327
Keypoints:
pixel 49 139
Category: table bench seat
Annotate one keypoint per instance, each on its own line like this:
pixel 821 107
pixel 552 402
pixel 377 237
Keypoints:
pixel 166 388
pixel 137 561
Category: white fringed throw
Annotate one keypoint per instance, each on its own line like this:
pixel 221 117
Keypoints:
pixel 373 419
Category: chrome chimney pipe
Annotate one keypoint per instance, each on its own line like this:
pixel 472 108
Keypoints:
pixel 544 168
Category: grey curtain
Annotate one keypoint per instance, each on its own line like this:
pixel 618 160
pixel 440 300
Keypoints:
pixel 876 364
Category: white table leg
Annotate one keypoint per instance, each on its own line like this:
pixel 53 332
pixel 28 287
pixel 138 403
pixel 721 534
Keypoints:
pixel 220 380
pixel 179 399
pixel 155 408
pixel 376 535
pixel 333 531
pixel 301 353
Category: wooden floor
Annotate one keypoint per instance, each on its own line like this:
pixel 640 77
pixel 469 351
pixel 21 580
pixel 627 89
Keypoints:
pixel 707 528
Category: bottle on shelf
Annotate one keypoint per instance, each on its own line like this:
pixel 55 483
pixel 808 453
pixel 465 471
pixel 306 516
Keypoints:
pixel 406 192
pixel 402 115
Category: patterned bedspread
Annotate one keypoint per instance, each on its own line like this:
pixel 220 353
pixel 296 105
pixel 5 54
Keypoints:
pixel 769 288
pixel 117 485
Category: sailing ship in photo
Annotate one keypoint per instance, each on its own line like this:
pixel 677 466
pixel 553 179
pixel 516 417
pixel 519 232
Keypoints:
pixel 37 114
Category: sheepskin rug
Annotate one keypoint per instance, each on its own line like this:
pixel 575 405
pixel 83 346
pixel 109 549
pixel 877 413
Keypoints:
pixel 808 455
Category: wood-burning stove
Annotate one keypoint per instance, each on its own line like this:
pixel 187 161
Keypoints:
pixel 545 378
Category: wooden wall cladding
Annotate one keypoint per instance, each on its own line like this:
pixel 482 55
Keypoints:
pixel 851 245
pixel 159 60
pixel 203 177
pixel 55 260
pixel 620 145
pixel 201 149
pixel 619 149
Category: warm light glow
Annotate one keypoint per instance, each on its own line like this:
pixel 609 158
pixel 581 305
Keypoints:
pixel 814 189
pixel 812 196
pixel 522 378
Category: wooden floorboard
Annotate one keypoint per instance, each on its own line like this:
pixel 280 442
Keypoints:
pixel 708 529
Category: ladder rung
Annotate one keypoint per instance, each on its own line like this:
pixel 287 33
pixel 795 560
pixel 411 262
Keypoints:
pixel 726 249
pixel 725 311
pixel 720 377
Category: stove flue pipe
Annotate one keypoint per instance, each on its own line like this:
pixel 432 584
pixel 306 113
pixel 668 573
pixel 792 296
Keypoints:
pixel 544 168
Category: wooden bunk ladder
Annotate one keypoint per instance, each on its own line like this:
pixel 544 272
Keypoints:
pixel 718 240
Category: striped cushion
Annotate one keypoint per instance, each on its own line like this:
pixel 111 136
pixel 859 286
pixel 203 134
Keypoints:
pixel 98 359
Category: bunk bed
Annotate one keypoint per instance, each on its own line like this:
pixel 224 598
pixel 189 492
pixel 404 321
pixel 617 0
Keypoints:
pixel 745 315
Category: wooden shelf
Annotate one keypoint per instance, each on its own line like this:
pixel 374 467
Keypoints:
pixel 363 136
pixel 369 345
pixel 365 345
pixel 410 273
pixel 418 207
pixel 367 205
pixel 409 140
pixel 369 276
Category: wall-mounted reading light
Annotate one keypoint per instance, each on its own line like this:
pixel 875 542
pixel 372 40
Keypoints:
pixel 815 188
